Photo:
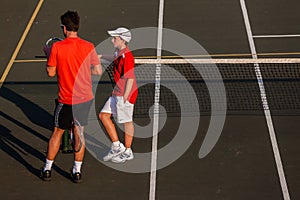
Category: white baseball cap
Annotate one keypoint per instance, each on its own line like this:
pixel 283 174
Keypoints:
pixel 123 33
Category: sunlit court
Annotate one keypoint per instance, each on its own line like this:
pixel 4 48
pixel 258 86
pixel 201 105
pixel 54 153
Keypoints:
pixel 216 114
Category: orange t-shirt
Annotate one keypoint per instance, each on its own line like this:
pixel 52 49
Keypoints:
pixel 73 58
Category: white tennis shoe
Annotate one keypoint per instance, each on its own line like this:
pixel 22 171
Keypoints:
pixel 126 155
pixel 114 151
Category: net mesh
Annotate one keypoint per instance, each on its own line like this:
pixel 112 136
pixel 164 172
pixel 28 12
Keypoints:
pixel 182 80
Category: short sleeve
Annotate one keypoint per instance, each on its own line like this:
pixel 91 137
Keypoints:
pixel 52 60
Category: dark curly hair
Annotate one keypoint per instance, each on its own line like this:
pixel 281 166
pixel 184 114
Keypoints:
pixel 70 20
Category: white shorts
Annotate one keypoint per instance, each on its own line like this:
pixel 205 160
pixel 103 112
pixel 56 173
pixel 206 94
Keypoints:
pixel 121 111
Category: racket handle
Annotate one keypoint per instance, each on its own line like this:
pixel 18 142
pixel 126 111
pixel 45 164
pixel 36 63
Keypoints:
pixel 40 56
pixel 66 146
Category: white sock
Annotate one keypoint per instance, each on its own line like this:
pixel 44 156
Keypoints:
pixel 76 166
pixel 48 165
pixel 116 144
pixel 128 150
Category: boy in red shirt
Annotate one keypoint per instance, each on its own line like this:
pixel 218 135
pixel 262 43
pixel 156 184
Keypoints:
pixel 71 61
pixel 121 103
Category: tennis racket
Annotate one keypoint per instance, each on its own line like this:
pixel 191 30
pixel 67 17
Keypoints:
pixel 49 43
pixel 77 140
pixel 52 40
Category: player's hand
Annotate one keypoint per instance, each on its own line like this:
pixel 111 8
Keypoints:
pixel 47 51
pixel 125 99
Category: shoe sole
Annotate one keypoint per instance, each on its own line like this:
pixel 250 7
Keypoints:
pixel 46 179
pixel 77 181
pixel 128 159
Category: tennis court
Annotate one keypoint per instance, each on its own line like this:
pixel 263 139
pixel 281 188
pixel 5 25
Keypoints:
pixel 256 154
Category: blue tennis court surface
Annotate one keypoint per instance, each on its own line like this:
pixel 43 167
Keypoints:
pixel 257 153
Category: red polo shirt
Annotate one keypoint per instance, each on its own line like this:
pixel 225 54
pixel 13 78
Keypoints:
pixel 124 69
pixel 73 58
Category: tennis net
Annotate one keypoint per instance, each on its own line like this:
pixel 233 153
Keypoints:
pixel 186 84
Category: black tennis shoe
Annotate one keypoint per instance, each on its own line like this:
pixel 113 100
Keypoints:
pixel 45 175
pixel 76 178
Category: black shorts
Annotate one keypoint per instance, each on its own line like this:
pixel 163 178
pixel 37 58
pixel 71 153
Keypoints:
pixel 65 116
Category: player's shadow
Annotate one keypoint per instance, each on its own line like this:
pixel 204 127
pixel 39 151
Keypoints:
pixel 33 112
pixel 36 115
pixel 96 147
pixel 18 149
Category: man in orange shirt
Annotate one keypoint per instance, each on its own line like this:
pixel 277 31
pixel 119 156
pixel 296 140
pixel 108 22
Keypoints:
pixel 71 60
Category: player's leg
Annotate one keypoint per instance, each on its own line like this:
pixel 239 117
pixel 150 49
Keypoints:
pixel 79 150
pixel 53 148
pixel 126 114
pixel 80 119
pixel 129 132
pixel 54 143
pixel 62 121
pixel 107 111
pixel 79 143
pixel 109 126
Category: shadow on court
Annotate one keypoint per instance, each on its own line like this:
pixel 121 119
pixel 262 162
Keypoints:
pixel 33 112
pixel 18 149
pixel 14 146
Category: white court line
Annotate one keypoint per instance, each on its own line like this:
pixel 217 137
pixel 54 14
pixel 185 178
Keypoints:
pixel 152 191
pixel 267 112
pixel 276 36
pixel 20 43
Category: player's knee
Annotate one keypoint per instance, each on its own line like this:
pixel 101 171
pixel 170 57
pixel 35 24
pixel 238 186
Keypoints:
pixel 57 132
pixel 104 116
